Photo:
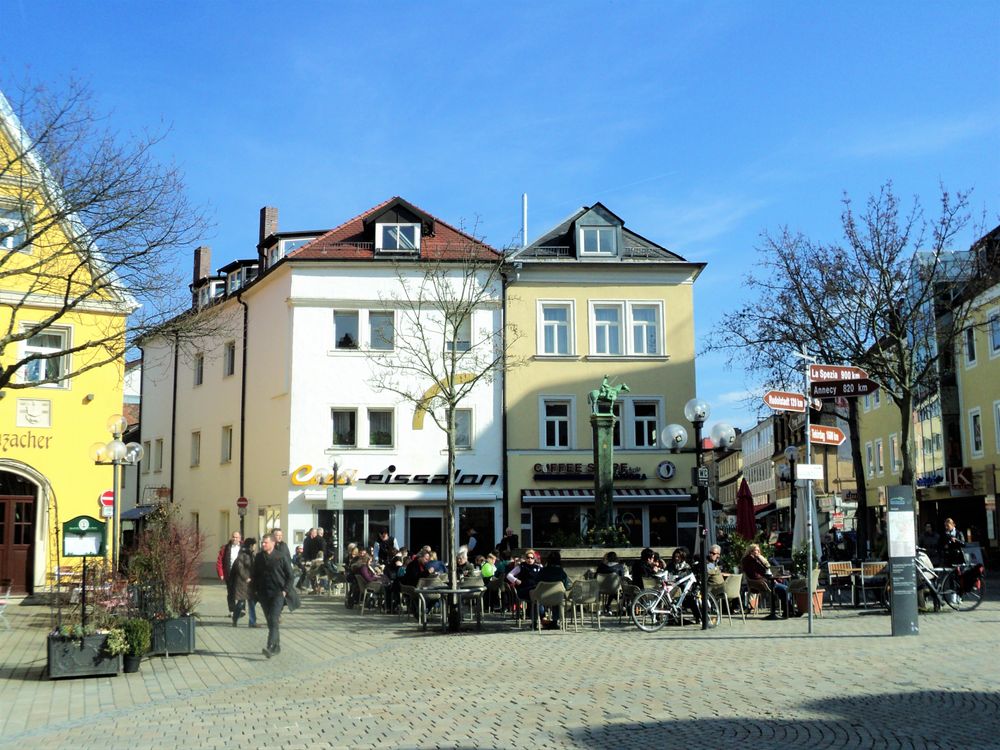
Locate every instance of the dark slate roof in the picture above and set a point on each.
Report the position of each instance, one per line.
(559, 243)
(352, 240)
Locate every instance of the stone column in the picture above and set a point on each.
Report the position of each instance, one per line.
(603, 424)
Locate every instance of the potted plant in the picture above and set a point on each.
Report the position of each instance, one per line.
(735, 550)
(83, 651)
(138, 639)
(164, 574)
(799, 586)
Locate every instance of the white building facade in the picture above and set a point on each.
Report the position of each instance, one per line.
(283, 398)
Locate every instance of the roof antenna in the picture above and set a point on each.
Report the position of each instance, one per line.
(524, 219)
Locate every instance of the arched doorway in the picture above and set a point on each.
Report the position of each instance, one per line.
(18, 518)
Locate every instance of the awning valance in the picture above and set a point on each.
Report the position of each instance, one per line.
(134, 514)
(621, 495)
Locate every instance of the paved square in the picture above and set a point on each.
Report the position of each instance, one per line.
(343, 680)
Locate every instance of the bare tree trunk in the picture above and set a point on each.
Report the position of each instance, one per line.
(449, 544)
(905, 404)
(861, 516)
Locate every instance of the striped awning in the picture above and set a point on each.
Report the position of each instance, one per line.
(621, 495)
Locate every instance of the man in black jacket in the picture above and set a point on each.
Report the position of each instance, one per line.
(272, 579)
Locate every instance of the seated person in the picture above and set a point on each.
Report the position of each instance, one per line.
(462, 565)
(643, 568)
(610, 564)
(716, 578)
(433, 565)
(756, 568)
(524, 575)
(504, 562)
(553, 572)
(679, 562)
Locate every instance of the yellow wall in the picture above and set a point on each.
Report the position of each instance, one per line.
(979, 386)
(54, 453)
(880, 423)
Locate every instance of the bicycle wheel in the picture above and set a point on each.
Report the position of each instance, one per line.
(963, 602)
(711, 604)
(642, 613)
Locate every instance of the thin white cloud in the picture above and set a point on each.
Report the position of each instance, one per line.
(915, 137)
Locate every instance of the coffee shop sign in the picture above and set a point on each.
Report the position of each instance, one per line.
(304, 476)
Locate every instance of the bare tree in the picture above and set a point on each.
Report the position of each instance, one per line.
(873, 300)
(451, 339)
(90, 222)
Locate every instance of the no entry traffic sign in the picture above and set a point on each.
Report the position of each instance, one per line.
(107, 503)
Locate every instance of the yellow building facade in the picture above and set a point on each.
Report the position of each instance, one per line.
(591, 299)
(46, 474)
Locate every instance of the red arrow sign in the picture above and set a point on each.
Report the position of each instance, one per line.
(784, 401)
(107, 499)
(242, 502)
(819, 433)
(836, 372)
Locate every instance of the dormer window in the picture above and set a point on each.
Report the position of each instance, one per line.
(400, 238)
(233, 282)
(598, 241)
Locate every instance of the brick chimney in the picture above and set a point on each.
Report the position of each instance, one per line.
(268, 222)
(202, 263)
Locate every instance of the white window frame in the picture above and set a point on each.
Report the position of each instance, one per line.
(879, 458)
(996, 424)
(976, 415)
(199, 369)
(229, 359)
(622, 328)
(148, 460)
(226, 444)
(570, 401)
(633, 421)
(333, 434)
(195, 448)
(969, 344)
(15, 221)
(157, 455)
(570, 307)
(993, 331)
(867, 402)
(454, 339)
(894, 461)
(371, 332)
(392, 429)
(876, 398)
(65, 361)
(870, 459)
(472, 432)
(380, 227)
(600, 252)
(357, 333)
(626, 327)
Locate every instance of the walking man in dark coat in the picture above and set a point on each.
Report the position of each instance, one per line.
(227, 556)
(271, 580)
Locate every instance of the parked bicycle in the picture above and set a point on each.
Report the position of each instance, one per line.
(961, 587)
(652, 609)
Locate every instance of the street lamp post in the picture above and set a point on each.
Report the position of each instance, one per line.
(116, 454)
(792, 455)
(335, 503)
(674, 436)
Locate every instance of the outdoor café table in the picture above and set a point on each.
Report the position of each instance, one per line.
(458, 594)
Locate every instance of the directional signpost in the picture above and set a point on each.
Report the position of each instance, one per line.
(785, 401)
(843, 388)
(824, 435)
(836, 372)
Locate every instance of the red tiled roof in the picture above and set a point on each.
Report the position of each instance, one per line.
(131, 414)
(447, 243)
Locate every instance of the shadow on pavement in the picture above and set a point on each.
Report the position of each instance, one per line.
(930, 718)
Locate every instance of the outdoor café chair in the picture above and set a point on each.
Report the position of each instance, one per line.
(548, 594)
(610, 585)
(731, 591)
(759, 588)
(585, 594)
(839, 578)
(376, 589)
(872, 579)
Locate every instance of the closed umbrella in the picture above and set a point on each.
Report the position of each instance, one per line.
(745, 525)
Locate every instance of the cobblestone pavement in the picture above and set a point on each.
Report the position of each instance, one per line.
(343, 680)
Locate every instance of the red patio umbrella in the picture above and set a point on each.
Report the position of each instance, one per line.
(745, 519)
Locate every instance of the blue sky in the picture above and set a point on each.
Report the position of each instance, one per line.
(701, 124)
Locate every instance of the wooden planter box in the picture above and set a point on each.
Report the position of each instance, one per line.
(173, 636)
(73, 657)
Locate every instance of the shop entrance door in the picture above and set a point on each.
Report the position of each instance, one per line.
(17, 528)
(425, 529)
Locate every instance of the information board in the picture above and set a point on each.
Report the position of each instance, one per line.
(83, 537)
(902, 571)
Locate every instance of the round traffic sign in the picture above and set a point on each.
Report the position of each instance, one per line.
(242, 502)
(107, 499)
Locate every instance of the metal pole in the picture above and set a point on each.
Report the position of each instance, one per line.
(809, 497)
(114, 548)
(702, 502)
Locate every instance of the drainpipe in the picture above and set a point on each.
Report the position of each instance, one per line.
(138, 470)
(243, 401)
(505, 505)
(173, 416)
